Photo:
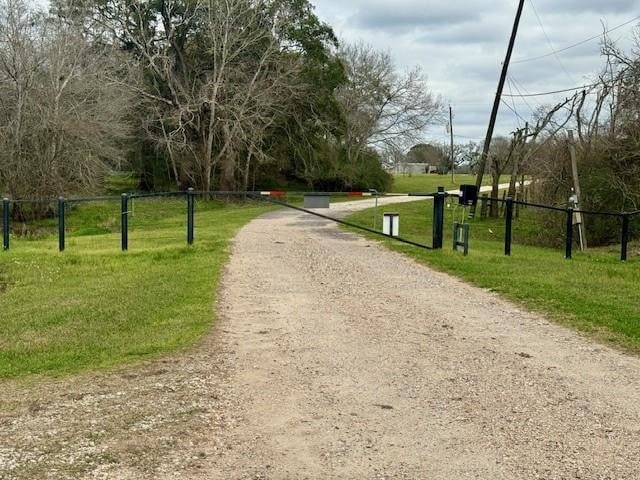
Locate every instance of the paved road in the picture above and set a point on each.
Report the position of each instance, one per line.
(346, 208)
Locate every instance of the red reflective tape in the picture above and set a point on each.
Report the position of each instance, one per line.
(354, 194)
(278, 194)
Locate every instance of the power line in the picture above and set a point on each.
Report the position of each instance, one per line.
(553, 50)
(513, 100)
(521, 88)
(583, 87)
(469, 138)
(465, 137)
(512, 79)
(513, 110)
(582, 42)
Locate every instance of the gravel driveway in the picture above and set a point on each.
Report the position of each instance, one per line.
(336, 358)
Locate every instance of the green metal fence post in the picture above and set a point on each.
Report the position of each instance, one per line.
(61, 219)
(569, 234)
(5, 224)
(508, 216)
(124, 221)
(625, 237)
(190, 216)
(438, 218)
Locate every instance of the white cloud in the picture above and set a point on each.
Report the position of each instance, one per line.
(409, 15)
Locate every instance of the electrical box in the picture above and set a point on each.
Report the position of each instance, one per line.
(468, 195)
(461, 237)
(391, 224)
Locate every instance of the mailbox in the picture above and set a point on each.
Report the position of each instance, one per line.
(391, 224)
(468, 195)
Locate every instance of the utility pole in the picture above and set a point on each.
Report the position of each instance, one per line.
(451, 131)
(519, 142)
(496, 102)
(578, 194)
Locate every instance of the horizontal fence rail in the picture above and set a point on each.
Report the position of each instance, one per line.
(344, 222)
(557, 226)
(127, 208)
(570, 223)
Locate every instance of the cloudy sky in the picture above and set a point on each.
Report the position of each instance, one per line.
(460, 45)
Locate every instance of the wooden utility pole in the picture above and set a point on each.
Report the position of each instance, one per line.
(519, 144)
(578, 194)
(451, 131)
(496, 103)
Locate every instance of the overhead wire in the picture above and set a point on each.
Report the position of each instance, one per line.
(515, 84)
(577, 44)
(469, 138)
(541, 94)
(513, 100)
(514, 111)
(465, 137)
(553, 50)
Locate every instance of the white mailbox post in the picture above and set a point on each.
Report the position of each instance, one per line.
(391, 224)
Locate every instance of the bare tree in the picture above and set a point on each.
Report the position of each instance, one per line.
(219, 78)
(500, 158)
(527, 142)
(62, 121)
(22, 39)
(383, 108)
(394, 159)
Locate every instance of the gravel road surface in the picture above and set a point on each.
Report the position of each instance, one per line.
(336, 358)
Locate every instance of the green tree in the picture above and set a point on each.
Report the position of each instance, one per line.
(224, 82)
(434, 155)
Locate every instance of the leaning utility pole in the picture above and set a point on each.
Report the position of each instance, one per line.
(496, 102)
(451, 131)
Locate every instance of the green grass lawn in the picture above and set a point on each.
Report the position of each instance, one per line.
(594, 292)
(121, 182)
(93, 306)
(427, 183)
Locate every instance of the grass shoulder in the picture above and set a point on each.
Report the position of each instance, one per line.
(93, 306)
(427, 183)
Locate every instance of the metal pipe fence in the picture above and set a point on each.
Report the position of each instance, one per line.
(106, 221)
(570, 229)
(170, 218)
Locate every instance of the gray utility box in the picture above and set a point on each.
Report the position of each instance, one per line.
(461, 237)
(316, 201)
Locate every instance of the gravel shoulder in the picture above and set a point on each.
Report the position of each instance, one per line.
(336, 358)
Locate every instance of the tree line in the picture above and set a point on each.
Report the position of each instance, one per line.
(210, 94)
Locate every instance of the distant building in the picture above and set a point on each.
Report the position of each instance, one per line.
(409, 168)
